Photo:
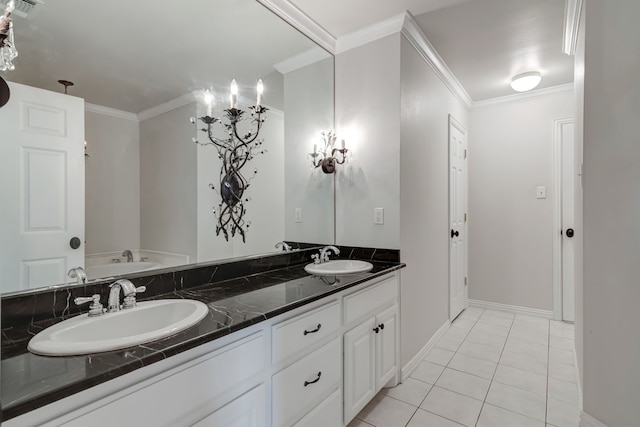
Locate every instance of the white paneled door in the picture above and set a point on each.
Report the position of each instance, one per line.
(42, 191)
(457, 218)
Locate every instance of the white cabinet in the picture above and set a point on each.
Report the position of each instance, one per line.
(370, 348)
(305, 391)
(189, 394)
(248, 410)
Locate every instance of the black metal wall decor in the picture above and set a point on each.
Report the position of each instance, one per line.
(235, 152)
(326, 157)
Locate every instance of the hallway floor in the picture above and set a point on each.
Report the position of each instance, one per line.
(490, 369)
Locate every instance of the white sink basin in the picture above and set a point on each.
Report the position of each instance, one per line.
(149, 321)
(339, 266)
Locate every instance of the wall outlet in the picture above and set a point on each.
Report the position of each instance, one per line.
(378, 216)
(541, 192)
(298, 214)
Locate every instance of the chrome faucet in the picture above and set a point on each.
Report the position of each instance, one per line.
(324, 253)
(78, 274)
(285, 247)
(128, 290)
(128, 254)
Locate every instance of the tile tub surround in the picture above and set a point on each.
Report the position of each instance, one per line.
(234, 303)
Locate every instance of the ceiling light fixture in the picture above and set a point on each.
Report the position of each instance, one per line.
(526, 81)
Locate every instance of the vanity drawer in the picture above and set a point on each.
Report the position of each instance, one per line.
(369, 300)
(295, 335)
(301, 386)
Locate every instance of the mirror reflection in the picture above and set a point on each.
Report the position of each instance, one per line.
(115, 177)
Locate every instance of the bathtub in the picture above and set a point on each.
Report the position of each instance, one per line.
(118, 268)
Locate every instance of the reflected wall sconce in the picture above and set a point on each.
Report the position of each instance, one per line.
(235, 151)
(8, 50)
(327, 157)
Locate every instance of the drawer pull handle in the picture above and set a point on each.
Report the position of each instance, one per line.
(313, 331)
(306, 383)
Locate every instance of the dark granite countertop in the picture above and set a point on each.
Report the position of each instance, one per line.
(30, 381)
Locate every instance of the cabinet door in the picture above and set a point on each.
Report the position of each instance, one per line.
(326, 414)
(359, 368)
(248, 410)
(386, 346)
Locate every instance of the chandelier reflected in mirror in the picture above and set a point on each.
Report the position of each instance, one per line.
(8, 50)
(235, 150)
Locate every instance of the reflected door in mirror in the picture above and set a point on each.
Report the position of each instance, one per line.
(42, 156)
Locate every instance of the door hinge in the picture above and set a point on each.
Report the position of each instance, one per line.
(465, 153)
(465, 281)
(465, 217)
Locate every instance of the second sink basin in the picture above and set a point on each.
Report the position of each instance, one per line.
(149, 321)
(338, 266)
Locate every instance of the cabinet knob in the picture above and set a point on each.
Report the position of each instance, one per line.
(306, 383)
(313, 331)
(381, 326)
(376, 329)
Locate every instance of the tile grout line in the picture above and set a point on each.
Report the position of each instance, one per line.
(484, 401)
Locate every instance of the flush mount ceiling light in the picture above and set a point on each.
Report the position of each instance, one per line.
(526, 81)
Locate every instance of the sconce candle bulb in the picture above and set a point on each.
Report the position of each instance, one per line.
(208, 100)
(260, 90)
(234, 94)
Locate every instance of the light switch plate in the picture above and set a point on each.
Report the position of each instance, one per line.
(541, 192)
(378, 216)
(298, 214)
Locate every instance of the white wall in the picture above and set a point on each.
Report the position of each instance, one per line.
(424, 193)
(112, 177)
(368, 117)
(510, 230)
(167, 183)
(308, 100)
(611, 211)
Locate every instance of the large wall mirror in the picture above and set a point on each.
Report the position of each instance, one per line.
(141, 183)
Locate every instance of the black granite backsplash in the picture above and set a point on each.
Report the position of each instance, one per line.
(57, 303)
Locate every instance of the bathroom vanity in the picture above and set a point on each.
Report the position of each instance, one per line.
(278, 348)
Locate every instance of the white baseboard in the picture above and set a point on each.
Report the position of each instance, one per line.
(587, 420)
(408, 369)
(547, 314)
(578, 379)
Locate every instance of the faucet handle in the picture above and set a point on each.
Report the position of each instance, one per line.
(130, 300)
(315, 258)
(95, 309)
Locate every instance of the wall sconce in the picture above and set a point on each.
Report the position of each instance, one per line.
(326, 158)
(235, 151)
(8, 50)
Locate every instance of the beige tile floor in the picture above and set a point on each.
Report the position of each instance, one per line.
(490, 369)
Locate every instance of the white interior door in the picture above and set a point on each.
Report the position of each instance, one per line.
(42, 191)
(568, 221)
(457, 218)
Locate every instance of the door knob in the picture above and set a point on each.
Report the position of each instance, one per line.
(569, 232)
(454, 234)
(75, 242)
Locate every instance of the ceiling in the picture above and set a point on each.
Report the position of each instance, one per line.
(483, 42)
(135, 55)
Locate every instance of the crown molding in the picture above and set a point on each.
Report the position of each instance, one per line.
(419, 41)
(369, 34)
(572, 13)
(296, 62)
(302, 22)
(524, 95)
(174, 104)
(111, 112)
